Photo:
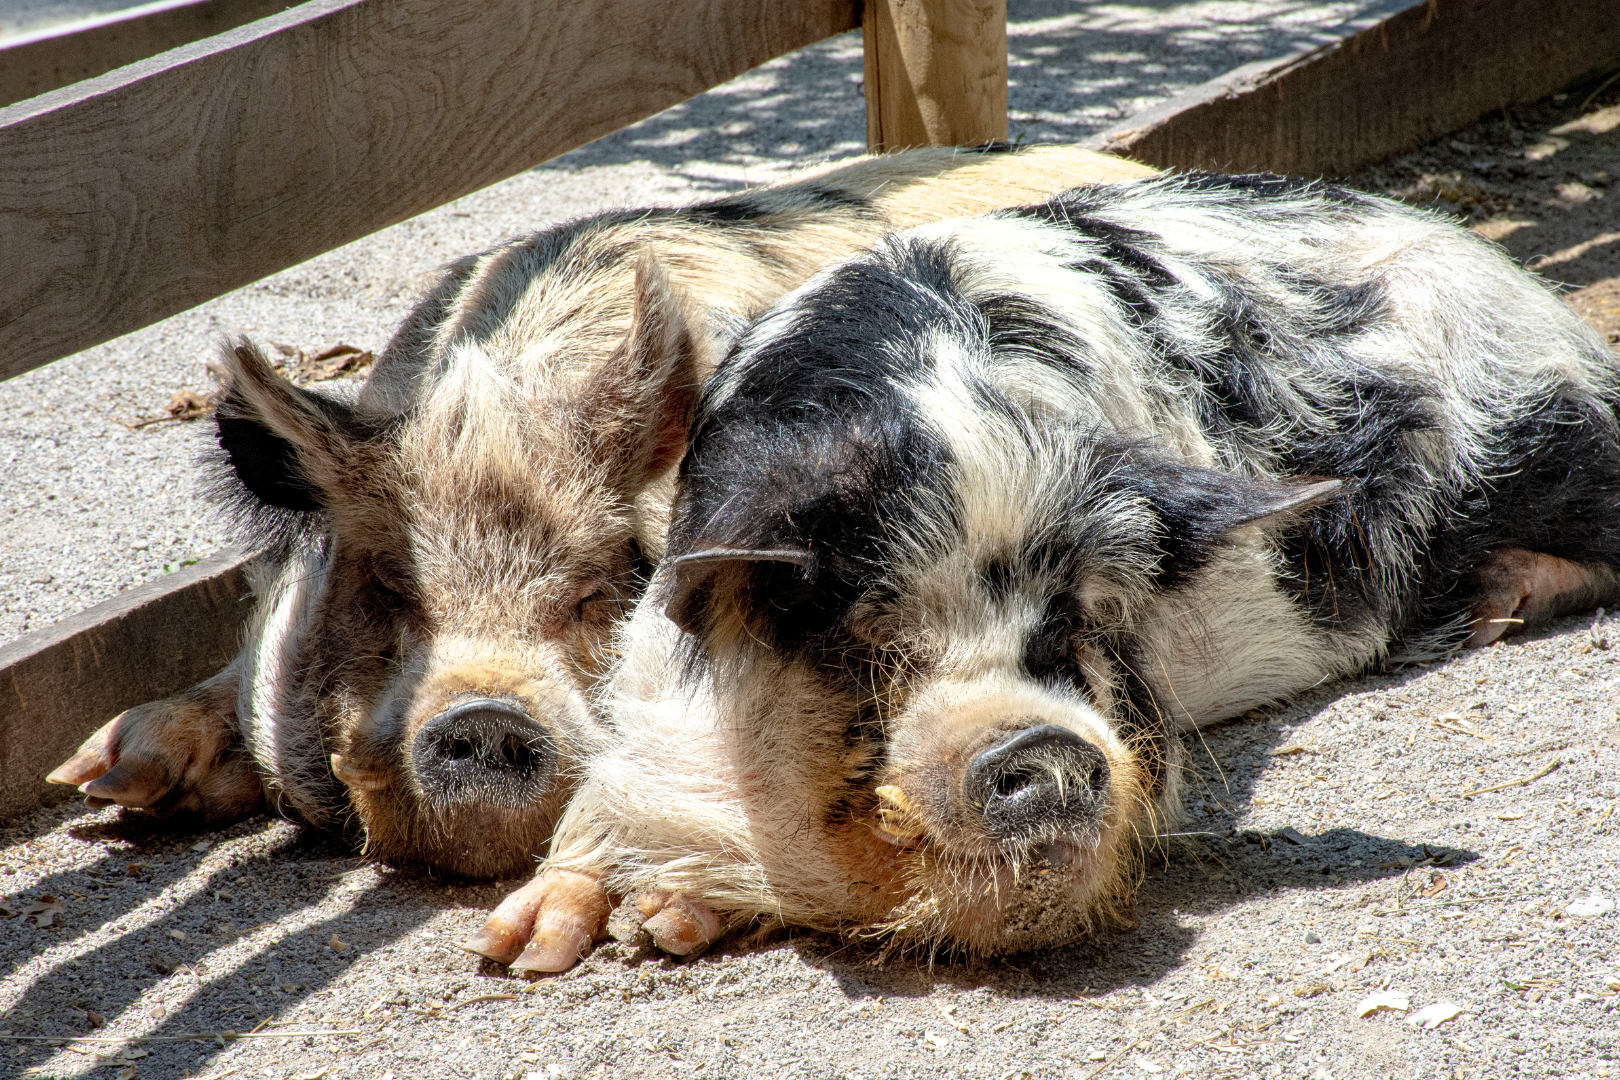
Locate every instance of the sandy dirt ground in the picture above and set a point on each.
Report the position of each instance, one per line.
(1440, 835)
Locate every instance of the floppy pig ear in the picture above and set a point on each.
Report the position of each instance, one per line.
(1198, 507)
(1255, 501)
(687, 592)
(286, 445)
(637, 408)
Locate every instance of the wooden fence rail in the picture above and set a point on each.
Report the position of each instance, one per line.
(1419, 74)
(36, 64)
(155, 187)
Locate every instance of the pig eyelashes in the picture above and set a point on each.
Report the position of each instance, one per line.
(612, 591)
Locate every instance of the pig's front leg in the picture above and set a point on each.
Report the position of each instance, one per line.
(547, 925)
(551, 923)
(673, 922)
(658, 823)
(180, 755)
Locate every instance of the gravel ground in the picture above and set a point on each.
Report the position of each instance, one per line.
(1333, 852)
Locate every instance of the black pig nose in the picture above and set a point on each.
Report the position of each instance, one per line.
(1037, 782)
(486, 752)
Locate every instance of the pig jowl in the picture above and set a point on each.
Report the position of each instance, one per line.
(975, 526)
(449, 551)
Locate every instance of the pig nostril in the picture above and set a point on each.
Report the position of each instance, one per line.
(484, 752)
(517, 753)
(1013, 781)
(1038, 782)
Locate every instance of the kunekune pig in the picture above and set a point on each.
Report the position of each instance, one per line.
(451, 549)
(972, 527)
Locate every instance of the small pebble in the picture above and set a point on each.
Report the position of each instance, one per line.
(1590, 907)
(1311, 938)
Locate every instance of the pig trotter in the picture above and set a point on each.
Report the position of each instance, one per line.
(1521, 590)
(180, 755)
(680, 925)
(547, 925)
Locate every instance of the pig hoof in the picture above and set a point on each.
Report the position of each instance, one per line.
(683, 926)
(180, 755)
(628, 926)
(1520, 590)
(547, 925)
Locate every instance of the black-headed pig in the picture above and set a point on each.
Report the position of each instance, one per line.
(973, 527)
(451, 549)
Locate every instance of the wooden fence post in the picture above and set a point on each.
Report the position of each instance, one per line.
(936, 72)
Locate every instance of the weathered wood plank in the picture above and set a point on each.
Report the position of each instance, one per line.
(935, 72)
(134, 196)
(1431, 69)
(52, 60)
(58, 685)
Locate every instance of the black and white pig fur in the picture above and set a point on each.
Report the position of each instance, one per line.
(453, 547)
(974, 527)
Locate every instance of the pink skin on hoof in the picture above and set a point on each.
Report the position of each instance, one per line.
(547, 925)
(1522, 589)
(177, 755)
(682, 926)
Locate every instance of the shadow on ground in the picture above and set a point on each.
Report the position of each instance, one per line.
(181, 952)
(1075, 69)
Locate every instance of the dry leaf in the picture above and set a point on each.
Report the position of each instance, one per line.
(183, 405)
(1293, 748)
(1396, 1000)
(336, 944)
(127, 1073)
(96, 1019)
(1432, 1016)
(1437, 885)
(189, 404)
(330, 363)
(311, 1076)
(45, 910)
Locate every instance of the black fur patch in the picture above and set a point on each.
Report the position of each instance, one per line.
(255, 475)
(1555, 489)
(861, 336)
(266, 464)
(1269, 186)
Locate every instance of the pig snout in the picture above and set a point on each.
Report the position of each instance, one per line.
(484, 751)
(1037, 782)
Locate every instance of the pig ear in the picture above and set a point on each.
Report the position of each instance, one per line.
(1258, 500)
(284, 444)
(636, 409)
(1197, 508)
(688, 588)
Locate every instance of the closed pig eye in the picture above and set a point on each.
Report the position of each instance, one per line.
(387, 591)
(591, 595)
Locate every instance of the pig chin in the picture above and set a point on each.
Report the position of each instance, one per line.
(483, 764)
(1019, 811)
